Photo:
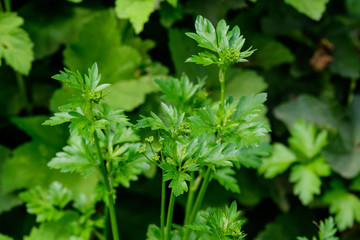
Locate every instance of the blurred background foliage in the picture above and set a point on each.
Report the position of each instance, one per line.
(307, 59)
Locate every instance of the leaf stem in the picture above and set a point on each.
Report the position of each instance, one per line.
(351, 91)
(162, 214)
(22, 87)
(7, 4)
(170, 215)
(190, 199)
(109, 191)
(198, 201)
(222, 87)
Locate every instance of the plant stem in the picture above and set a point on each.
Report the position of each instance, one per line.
(162, 214)
(190, 199)
(222, 86)
(7, 4)
(198, 201)
(114, 226)
(170, 215)
(22, 88)
(106, 214)
(351, 91)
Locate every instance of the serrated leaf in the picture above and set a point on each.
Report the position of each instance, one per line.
(345, 206)
(278, 162)
(76, 157)
(306, 140)
(225, 178)
(137, 11)
(220, 224)
(307, 179)
(314, 9)
(47, 205)
(178, 181)
(15, 44)
(55, 230)
(178, 90)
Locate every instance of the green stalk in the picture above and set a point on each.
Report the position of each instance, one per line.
(114, 226)
(198, 201)
(7, 4)
(22, 88)
(351, 91)
(1, 7)
(106, 214)
(162, 214)
(190, 199)
(170, 215)
(222, 87)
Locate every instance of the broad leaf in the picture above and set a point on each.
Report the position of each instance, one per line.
(115, 61)
(15, 44)
(137, 11)
(314, 9)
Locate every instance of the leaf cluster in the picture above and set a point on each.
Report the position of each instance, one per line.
(303, 157)
(225, 45)
(220, 224)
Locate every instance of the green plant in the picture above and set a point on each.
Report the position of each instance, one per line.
(101, 138)
(327, 230)
(303, 157)
(204, 143)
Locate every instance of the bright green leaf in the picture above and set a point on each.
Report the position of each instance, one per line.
(278, 162)
(137, 11)
(55, 230)
(15, 44)
(47, 205)
(345, 206)
(4, 237)
(314, 9)
(305, 139)
(306, 179)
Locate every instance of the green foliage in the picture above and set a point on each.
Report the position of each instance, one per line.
(15, 44)
(305, 148)
(313, 9)
(345, 206)
(202, 130)
(138, 11)
(4, 237)
(327, 231)
(220, 224)
(48, 205)
(226, 44)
